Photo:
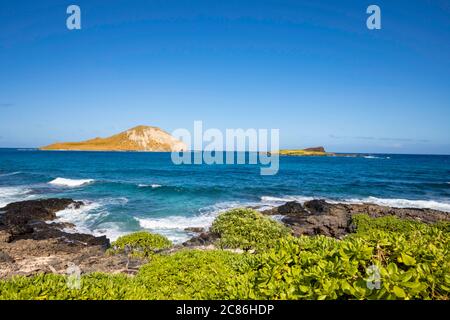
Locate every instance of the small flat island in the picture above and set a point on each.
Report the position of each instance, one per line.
(316, 151)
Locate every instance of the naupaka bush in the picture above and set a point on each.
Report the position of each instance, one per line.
(247, 229)
(412, 261)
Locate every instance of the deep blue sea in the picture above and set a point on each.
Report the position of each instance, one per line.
(129, 191)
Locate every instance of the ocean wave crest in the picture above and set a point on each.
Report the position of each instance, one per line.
(375, 157)
(175, 222)
(142, 185)
(64, 182)
(9, 174)
(13, 194)
(173, 227)
(79, 216)
(86, 216)
(405, 203)
(396, 203)
(281, 200)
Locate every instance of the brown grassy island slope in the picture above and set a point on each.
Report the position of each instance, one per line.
(317, 151)
(140, 138)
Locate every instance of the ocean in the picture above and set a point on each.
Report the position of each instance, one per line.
(129, 191)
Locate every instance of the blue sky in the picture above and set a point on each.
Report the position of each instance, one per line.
(310, 68)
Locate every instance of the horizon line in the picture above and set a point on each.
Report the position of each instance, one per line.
(143, 151)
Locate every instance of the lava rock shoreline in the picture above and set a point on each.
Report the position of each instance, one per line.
(319, 217)
(33, 241)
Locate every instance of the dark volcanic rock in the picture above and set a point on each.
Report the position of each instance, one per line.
(318, 207)
(330, 219)
(29, 220)
(292, 207)
(195, 229)
(5, 258)
(19, 217)
(30, 242)
(204, 239)
(43, 209)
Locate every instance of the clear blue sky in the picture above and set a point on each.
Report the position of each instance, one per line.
(310, 68)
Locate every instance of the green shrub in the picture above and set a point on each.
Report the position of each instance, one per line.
(364, 223)
(247, 229)
(413, 260)
(191, 274)
(140, 244)
(187, 274)
(95, 286)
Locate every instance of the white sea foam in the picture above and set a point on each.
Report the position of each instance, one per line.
(80, 216)
(375, 157)
(13, 194)
(142, 185)
(173, 227)
(111, 230)
(280, 200)
(277, 217)
(396, 203)
(88, 214)
(63, 182)
(405, 203)
(176, 222)
(9, 174)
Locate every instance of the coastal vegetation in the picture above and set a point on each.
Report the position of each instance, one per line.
(318, 152)
(384, 258)
(140, 244)
(247, 229)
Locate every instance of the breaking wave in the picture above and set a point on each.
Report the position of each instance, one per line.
(173, 227)
(63, 182)
(13, 194)
(142, 185)
(375, 157)
(9, 174)
(405, 203)
(85, 218)
(396, 203)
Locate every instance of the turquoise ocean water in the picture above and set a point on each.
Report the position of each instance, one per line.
(129, 191)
